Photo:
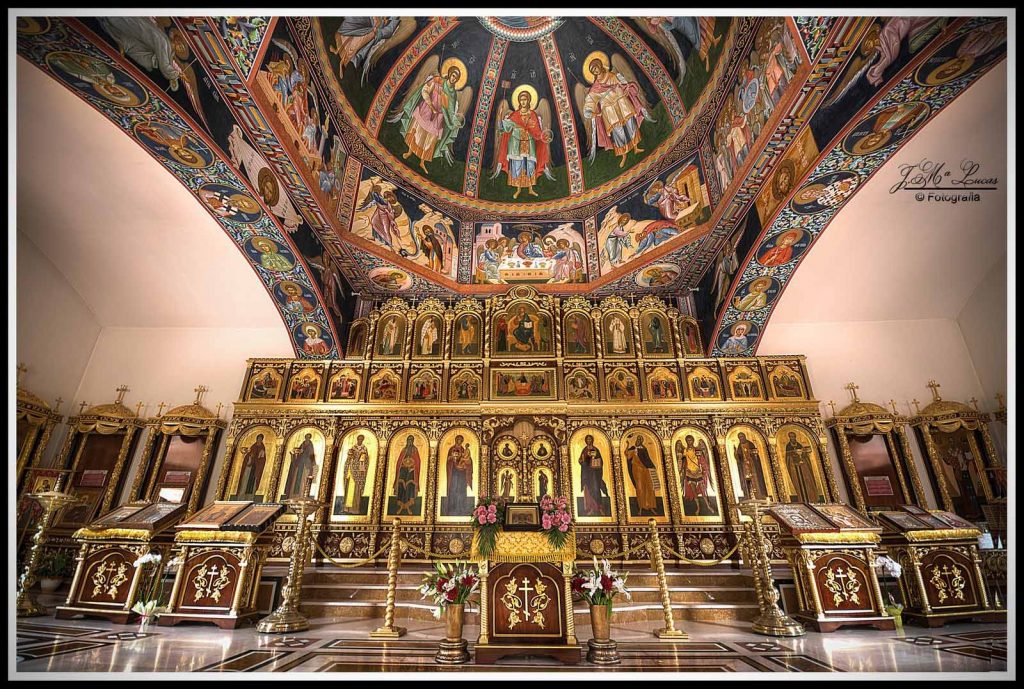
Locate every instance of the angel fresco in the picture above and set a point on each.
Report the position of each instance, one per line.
(521, 147)
(614, 106)
(434, 110)
(362, 41)
(696, 33)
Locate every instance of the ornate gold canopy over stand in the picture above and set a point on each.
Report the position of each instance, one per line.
(287, 617)
(52, 503)
(771, 621)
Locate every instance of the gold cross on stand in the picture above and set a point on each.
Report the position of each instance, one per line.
(120, 393)
(833, 405)
(21, 371)
(81, 408)
(57, 402)
(219, 405)
(935, 390)
(160, 409)
(199, 393)
(853, 390)
(892, 403)
(974, 401)
(916, 405)
(138, 409)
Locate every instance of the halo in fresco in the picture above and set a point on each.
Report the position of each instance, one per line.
(888, 126)
(269, 254)
(174, 144)
(736, 339)
(756, 294)
(230, 203)
(658, 275)
(783, 247)
(314, 342)
(964, 55)
(33, 26)
(390, 278)
(295, 298)
(826, 192)
(89, 74)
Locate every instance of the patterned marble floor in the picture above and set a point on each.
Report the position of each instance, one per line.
(48, 645)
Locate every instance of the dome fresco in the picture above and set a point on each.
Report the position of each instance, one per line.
(452, 156)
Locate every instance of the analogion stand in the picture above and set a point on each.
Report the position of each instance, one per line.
(526, 599)
(221, 553)
(831, 549)
(107, 582)
(942, 579)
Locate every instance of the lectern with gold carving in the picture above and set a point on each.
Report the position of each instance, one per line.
(831, 549)
(107, 581)
(942, 579)
(221, 551)
(526, 599)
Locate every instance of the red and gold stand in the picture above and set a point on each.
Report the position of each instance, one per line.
(836, 583)
(526, 599)
(942, 579)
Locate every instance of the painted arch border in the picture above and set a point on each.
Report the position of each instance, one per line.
(70, 35)
(837, 160)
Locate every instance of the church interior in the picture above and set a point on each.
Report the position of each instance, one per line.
(570, 344)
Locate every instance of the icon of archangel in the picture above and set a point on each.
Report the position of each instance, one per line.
(363, 41)
(613, 107)
(434, 110)
(521, 147)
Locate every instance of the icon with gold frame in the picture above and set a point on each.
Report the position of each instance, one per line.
(425, 386)
(391, 330)
(464, 386)
(590, 456)
(580, 386)
(704, 384)
(656, 335)
(621, 386)
(522, 330)
(429, 337)
(344, 386)
(750, 470)
(662, 385)
(458, 475)
(303, 457)
(618, 334)
(355, 476)
(801, 465)
(643, 477)
(265, 384)
(304, 385)
(408, 455)
(385, 386)
(744, 384)
(466, 337)
(252, 466)
(523, 384)
(696, 472)
(785, 383)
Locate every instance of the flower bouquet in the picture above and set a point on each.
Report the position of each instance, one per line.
(887, 567)
(147, 605)
(449, 584)
(599, 585)
(488, 517)
(555, 520)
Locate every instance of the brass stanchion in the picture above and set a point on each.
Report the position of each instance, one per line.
(389, 630)
(771, 621)
(52, 502)
(669, 631)
(287, 617)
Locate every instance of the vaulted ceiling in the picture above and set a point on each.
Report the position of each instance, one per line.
(457, 155)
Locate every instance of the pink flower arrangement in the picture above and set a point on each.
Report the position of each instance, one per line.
(488, 517)
(486, 514)
(555, 519)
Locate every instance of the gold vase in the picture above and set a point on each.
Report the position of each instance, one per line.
(601, 650)
(453, 619)
(600, 622)
(454, 650)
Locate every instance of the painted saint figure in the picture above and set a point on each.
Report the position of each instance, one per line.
(506, 484)
(407, 478)
(640, 468)
(522, 144)
(254, 459)
(428, 337)
(617, 343)
(596, 498)
(749, 462)
(801, 474)
(459, 467)
(303, 465)
(434, 112)
(613, 110)
(695, 468)
(357, 464)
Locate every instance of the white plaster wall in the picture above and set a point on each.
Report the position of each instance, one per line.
(889, 360)
(166, 364)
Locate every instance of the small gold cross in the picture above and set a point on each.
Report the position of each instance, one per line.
(120, 393)
(57, 402)
(892, 403)
(81, 408)
(199, 393)
(853, 390)
(974, 401)
(219, 405)
(160, 410)
(935, 390)
(917, 405)
(833, 405)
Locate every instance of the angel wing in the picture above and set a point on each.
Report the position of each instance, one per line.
(188, 77)
(544, 113)
(430, 67)
(666, 40)
(287, 47)
(503, 109)
(465, 99)
(579, 94)
(406, 26)
(620, 65)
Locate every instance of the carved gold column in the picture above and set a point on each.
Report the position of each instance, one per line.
(225, 470)
(932, 453)
(211, 440)
(894, 452)
(908, 461)
(147, 455)
(669, 631)
(826, 460)
(25, 602)
(287, 617)
(771, 621)
(846, 457)
(718, 429)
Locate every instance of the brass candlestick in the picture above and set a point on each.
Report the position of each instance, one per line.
(771, 621)
(669, 631)
(287, 617)
(389, 630)
(52, 502)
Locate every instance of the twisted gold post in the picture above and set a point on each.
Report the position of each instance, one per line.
(389, 630)
(669, 631)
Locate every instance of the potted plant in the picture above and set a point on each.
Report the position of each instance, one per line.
(448, 587)
(889, 568)
(598, 586)
(147, 606)
(52, 569)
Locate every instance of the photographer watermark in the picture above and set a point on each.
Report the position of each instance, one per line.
(934, 181)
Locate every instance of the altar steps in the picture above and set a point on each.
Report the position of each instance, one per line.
(705, 596)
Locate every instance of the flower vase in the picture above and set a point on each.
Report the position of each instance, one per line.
(454, 650)
(896, 611)
(143, 624)
(601, 649)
